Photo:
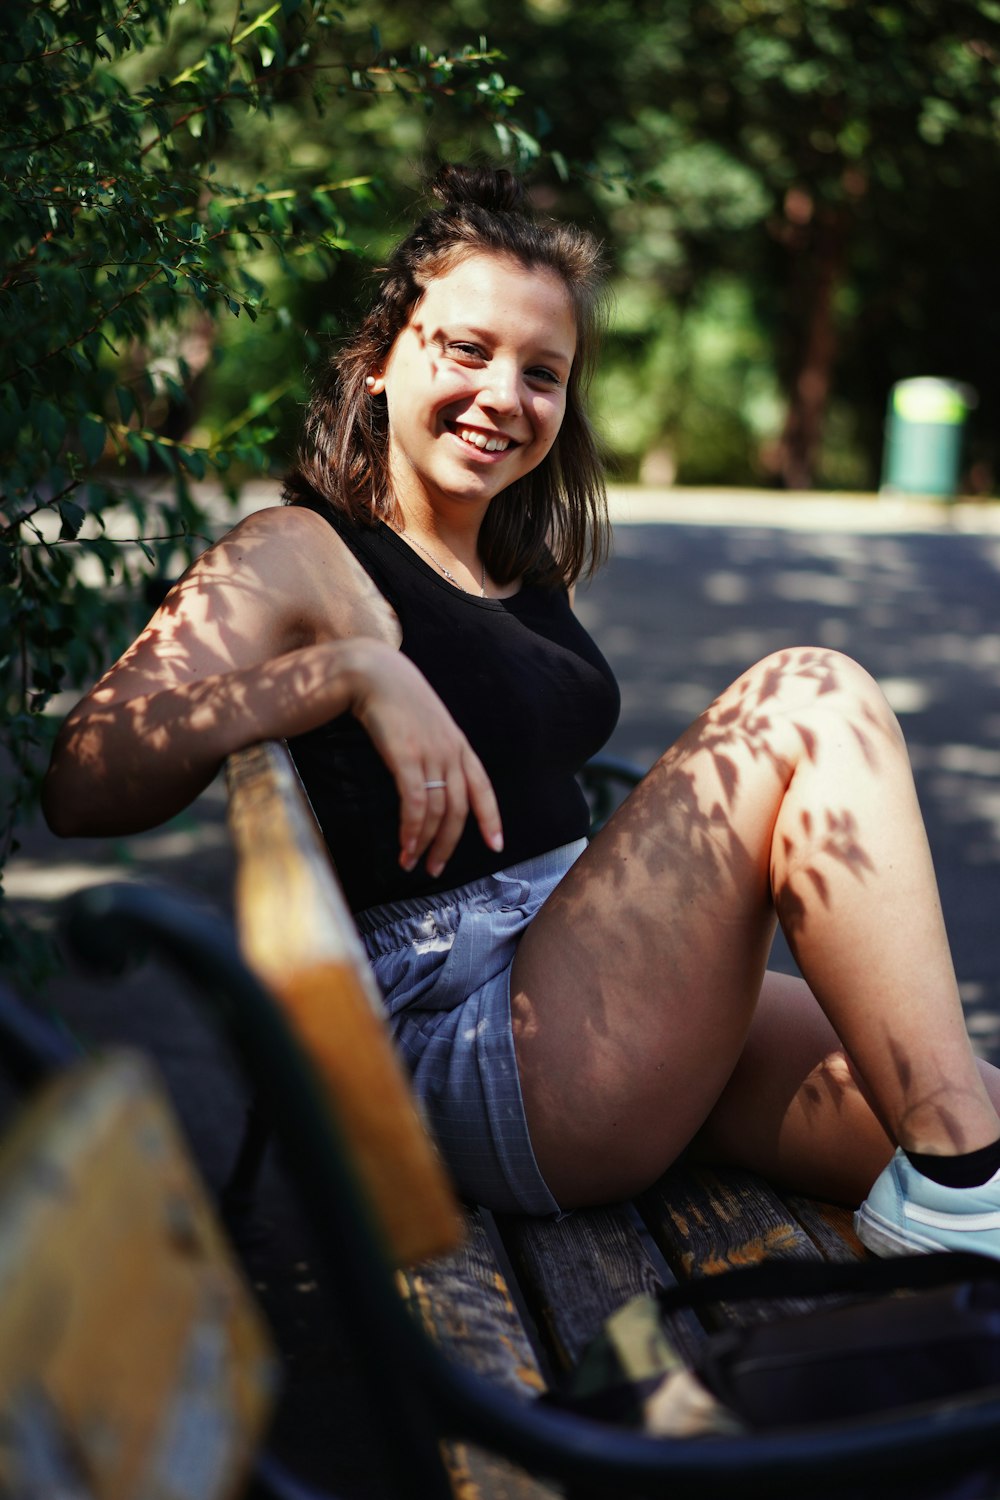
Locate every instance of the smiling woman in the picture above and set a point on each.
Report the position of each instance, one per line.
(574, 1015)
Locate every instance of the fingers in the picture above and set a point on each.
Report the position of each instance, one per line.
(433, 816)
(483, 802)
(449, 805)
(469, 789)
(438, 775)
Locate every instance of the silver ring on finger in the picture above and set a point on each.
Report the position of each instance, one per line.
(434, 785)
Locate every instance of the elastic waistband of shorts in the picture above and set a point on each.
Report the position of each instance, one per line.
(538, 867)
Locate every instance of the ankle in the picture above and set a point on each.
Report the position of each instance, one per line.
(959, 1169)
(951, 1122)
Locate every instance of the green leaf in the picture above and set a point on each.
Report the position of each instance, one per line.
(50, 424)
(193, 461)
(140, 448)
(165, 455)
(73, 517)
(93, 435)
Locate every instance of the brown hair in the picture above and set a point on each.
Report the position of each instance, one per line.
(551, 525)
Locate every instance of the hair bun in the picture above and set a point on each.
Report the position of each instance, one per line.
(493, 188)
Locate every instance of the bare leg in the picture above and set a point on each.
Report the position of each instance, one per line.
(635, 990)
(795, 1108)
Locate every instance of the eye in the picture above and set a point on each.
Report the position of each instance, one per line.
(463, 351)
(544, 374)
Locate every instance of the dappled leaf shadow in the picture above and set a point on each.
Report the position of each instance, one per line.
(697, 830)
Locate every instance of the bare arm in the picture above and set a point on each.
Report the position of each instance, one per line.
(121, 765)
(268, 635)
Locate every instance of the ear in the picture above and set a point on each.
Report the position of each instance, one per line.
(375, 384)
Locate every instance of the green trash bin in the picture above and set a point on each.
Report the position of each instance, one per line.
(924, 430)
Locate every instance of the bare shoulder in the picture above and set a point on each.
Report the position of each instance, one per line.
(326, 592)
(279, 580)
(288, 580)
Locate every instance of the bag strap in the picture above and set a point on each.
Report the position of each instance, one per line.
(812, 1278)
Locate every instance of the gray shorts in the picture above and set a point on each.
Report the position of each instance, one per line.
(443, 963)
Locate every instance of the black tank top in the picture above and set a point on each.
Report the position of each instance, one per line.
(522, 679)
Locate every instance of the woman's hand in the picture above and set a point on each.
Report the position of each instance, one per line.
(438, 775)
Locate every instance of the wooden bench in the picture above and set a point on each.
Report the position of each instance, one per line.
(515, 1299)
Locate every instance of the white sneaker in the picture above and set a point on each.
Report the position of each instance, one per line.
(906, 1212)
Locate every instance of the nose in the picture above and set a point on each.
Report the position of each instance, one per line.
(502, 387)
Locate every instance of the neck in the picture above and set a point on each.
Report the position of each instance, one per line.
(458, 567)
(454, 524)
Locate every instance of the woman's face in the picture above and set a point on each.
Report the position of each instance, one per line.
(476, 383)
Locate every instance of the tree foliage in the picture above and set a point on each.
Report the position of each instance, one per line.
(150, 194)
(822, 168)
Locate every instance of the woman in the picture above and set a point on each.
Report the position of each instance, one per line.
(574, 1016)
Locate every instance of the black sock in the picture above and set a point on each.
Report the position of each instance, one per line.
(970, 1169)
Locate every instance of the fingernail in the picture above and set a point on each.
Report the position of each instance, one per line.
(434, 870)
(496, 842)
(407, 861)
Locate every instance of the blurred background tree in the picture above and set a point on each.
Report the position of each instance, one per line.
(798, 195)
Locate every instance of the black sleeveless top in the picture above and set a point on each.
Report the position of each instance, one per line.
(522, 679)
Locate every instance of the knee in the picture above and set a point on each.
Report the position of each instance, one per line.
(800, 679)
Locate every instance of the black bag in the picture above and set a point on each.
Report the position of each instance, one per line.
(863, 1357)
(919, 1330)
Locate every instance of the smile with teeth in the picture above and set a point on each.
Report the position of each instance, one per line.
(482, 441)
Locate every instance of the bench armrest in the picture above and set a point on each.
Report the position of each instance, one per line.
(298, 936)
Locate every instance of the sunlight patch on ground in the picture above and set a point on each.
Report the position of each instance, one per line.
(978, 651)
(906, 695)
(983, 1025)
(726, 587)
(53, 875)
(817, 588)
(736, 645)
(835, 632)
(964, 781)
(687, 699)
(972, 760)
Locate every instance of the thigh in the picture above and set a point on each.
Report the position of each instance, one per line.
(634, 989)
(631, 1001)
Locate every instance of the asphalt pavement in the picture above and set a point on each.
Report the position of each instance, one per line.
(701, 584)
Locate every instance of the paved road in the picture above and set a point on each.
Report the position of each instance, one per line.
(700, 586)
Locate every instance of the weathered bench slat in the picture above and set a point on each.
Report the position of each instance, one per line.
(131, 1350)
(463, 1301)
(710, 1221)
(478, 1475)
(830, 1226)
(575, 1273)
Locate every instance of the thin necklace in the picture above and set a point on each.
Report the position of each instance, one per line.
(439, 564)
